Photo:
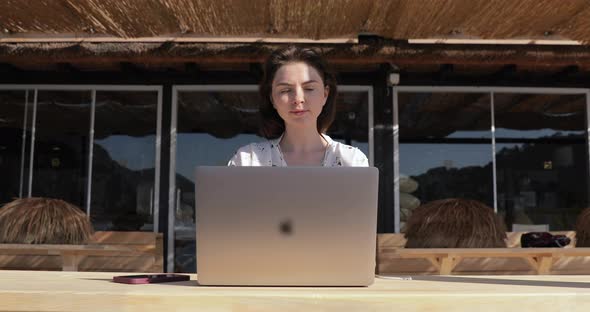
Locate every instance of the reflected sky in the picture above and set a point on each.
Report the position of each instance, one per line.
(135, 153)
(416, 159)
(194, 149)
(203, 149)
(534, 134)
(198, 149)
(471, 134)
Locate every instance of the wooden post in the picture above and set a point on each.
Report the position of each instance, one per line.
(70, 261)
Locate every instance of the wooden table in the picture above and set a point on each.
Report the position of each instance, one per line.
(84, 291)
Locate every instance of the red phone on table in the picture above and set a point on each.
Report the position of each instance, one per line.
(150, 278)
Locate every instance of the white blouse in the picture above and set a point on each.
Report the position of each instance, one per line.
(268, 153)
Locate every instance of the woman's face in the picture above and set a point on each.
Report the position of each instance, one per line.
(298, 94)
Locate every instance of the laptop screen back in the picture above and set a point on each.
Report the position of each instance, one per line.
(289, 226)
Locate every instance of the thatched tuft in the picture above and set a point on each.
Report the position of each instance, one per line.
(455, 223)
(43, 221)
(583, 229)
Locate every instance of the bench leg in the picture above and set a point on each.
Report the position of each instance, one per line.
(435, 262)
(545, 264)
(69, 262)
(447, 264)
(542, 264)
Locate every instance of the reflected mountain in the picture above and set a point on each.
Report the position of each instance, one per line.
(123, 195)
(547, 180)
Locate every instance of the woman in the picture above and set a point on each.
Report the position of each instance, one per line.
(298, 106)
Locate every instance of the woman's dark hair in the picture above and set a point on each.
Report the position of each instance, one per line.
(272, 125)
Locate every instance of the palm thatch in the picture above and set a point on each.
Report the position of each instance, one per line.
(583, 229)
(164, 35)
(455, 223)
(40, 220)
(320, 19)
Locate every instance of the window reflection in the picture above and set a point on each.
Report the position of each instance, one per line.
(542, 159)
(351, 123)
(445, 148)
(541, 154)
(123, 168)
(13, 164)
(211, 126)
(61, 145)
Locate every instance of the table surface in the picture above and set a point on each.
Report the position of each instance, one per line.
(90, 291)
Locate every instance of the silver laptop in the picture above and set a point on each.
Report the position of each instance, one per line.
(286, 226)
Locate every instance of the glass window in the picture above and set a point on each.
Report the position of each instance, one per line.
(61, 145)
(211, 126)
(13, 161)
(123, 167)
(542, 158)
(351, 123)
(445, 148)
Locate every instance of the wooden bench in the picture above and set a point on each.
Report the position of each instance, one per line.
(393, 258)
(106, 251)
(446, 259)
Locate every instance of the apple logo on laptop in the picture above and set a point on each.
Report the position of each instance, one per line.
(286, 227)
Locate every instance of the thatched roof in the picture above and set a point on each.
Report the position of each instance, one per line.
(312, 19)
(104, 35)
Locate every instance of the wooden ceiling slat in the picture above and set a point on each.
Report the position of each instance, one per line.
(397, 53)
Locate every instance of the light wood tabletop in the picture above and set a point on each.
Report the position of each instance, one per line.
(86, 291)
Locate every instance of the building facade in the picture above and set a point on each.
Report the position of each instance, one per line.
(116, 124)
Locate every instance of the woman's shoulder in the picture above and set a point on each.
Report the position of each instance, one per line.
(254, 147)
(251, 154)
(347, 155)
(348, 150)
